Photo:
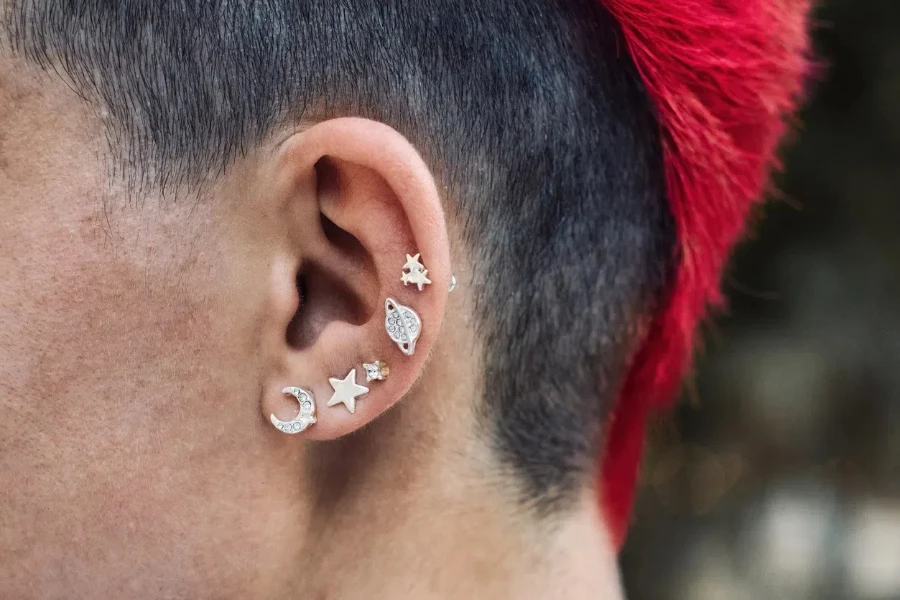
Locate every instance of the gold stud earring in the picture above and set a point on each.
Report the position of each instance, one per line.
(376, 371)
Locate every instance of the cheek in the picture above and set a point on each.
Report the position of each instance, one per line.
(102, 334)
(129, 382)
(129, 368)
(120, 363)
(81, 318)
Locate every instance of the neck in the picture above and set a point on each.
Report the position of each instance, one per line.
(412, 534)
(405, 511)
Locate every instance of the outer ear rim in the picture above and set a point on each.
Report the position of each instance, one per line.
(385, 151)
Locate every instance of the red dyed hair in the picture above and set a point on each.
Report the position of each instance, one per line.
(723, 76)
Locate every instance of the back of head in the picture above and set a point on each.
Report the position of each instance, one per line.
(529, 114)
(214, 198)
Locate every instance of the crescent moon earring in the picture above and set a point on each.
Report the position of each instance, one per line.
(306, 416)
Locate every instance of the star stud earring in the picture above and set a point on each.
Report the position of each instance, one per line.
(346, 391)
(417, 273)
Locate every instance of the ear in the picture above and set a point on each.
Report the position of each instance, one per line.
(357, 199)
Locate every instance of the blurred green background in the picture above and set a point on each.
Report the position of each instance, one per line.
(778, 474)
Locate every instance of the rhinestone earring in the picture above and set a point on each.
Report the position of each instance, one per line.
(376, 371)
(417, 273)
(403, 325)
(306, 416)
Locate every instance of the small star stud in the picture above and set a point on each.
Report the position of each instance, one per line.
(413, 264)
(418, 274)
(346, 390)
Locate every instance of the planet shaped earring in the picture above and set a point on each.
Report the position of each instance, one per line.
(403, 325)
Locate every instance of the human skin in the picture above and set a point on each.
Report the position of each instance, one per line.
(144, 341)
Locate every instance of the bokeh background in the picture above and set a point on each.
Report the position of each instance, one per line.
(778, 474)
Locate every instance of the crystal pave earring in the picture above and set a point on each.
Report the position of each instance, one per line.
(306, 416)
(403, 325)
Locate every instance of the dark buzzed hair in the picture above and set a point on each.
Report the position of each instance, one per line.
(530, 113)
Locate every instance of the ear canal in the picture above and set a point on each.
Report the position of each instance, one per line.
(324, 297)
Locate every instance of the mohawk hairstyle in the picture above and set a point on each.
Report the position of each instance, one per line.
(723, 75)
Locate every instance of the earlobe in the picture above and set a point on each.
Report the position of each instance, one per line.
(373, 273)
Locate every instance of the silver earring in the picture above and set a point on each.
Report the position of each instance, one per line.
(376, 371)
(452, 285)
(417, 275)
(306, 416)
(403, 325)
(346, 390)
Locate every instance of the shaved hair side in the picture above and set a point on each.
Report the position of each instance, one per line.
(530, 114)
